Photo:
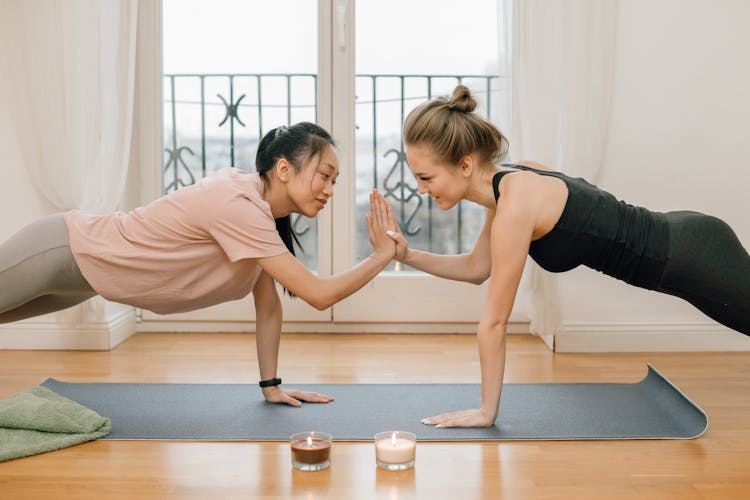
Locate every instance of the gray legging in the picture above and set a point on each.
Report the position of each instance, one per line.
(38, 274)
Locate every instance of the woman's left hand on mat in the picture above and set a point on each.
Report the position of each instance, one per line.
(465, 418)
(294, 397)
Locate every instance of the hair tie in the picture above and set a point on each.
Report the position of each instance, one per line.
(280, 130)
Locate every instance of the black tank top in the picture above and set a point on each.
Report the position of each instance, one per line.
(598, 231)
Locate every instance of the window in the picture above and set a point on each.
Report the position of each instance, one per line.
(408, 52)
(234, 69)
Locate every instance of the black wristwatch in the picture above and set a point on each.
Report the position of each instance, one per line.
(270, 383)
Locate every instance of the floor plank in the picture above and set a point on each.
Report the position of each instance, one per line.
(715, 466)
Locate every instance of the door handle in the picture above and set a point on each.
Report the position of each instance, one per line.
(341, 24)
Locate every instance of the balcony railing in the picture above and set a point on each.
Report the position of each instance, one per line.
(216, 120)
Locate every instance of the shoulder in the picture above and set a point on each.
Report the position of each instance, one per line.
(517, 186)
(234, 177)
(535, 165)
(530, 187)
(231, 184)
(248, 183)
(526, 196)
(518, 200)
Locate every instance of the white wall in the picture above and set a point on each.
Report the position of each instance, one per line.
(679, 138)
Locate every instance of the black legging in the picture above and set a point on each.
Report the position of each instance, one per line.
(708, 266)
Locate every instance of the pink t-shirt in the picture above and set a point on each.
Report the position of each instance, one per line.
(193, 248)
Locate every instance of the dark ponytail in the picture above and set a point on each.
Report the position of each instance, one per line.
(298, 144)
(284, 227)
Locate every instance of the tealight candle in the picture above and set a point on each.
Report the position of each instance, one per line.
(395, 450)
(311, 450)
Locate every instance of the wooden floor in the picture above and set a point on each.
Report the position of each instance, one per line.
(716, 465)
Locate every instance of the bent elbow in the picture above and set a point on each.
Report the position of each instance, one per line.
(319, 295)
(321, 303)
(479, 279)
(321, 306)
(317, 304)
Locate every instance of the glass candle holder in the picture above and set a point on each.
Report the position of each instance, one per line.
(395, 450)
(311, 450)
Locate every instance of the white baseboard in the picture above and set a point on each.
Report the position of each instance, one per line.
(121, 326)
(319, 327)
(41, 334)
(649, 337)
(45, 333)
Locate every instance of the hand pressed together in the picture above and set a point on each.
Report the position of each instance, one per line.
(465, 418)
(379, 203)
(293, 397)
(378, 225)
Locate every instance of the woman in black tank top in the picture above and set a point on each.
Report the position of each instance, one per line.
(561, 222)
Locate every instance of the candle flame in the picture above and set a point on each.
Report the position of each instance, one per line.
(309, 440)
(393, 439)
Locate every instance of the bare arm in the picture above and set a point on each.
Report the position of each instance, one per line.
(267, 335)
(512, 231)
(471, 267)
(511, 236)
(322, 292)
(267, 325)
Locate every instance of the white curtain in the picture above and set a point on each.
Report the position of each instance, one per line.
(71, 71)
(558, 58)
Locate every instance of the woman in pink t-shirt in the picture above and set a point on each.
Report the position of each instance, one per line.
(224, 237)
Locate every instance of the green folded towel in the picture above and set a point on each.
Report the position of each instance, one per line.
(40, 420)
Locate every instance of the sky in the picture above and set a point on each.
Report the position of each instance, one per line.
(280, 36)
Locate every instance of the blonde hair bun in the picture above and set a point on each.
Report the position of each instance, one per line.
(452, 130)
(462, 100)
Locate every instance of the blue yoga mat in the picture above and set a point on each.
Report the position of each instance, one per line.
(650, 409)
